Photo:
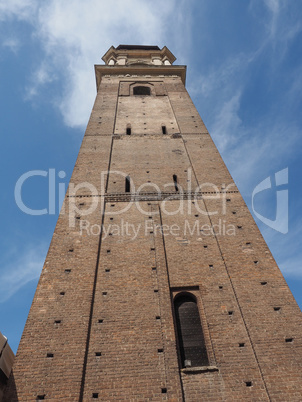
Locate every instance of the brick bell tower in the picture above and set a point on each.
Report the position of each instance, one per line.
(158, 284)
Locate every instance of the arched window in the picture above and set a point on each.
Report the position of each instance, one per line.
(141, 90)
(191, 341)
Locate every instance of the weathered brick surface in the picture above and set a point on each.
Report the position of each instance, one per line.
(112, 332)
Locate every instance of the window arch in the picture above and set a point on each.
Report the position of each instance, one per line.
(141, 90)
(191, 343)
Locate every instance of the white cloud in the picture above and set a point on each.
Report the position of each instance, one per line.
(17, 270)
(20, 9)
(74, 36)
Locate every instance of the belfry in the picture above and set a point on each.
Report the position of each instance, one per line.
(157, 284)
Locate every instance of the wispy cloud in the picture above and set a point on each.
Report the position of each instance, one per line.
(20, 9)
(12, 44)
(41, 76)
(75, 34)
(19, 269)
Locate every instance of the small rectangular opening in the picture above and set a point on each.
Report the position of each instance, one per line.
(95, 395)
(277, 308)
(128, 130)
(241, 345)
(160, 350)
(164, 390)
(127, 184)
(288, 340)
(98, 354)
(175, 182)
(248, 383)
(67, 271)
(40, 397)
(49, 355)
(164, 129)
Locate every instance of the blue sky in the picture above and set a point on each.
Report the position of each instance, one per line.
(244, 75)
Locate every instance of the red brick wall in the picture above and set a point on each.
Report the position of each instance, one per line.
(112, 332)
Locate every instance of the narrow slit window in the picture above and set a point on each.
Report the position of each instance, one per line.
(190, 336)
(142, 90)
(127, 184)
(164, 129)
(128, 129)
(175, 182)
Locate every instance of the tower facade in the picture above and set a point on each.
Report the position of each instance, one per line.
(158, 284)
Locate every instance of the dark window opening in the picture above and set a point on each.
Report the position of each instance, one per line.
(175, 182)
(190, 336)
(127, 184)
(128, 130)
(164, 129)
(141, 90)
(40, 397)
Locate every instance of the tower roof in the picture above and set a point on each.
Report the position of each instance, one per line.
(139, 51)
(137, 47)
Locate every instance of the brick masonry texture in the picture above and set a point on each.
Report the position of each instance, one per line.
(103, 309)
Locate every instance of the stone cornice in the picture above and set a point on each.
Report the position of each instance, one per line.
(139, 70)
